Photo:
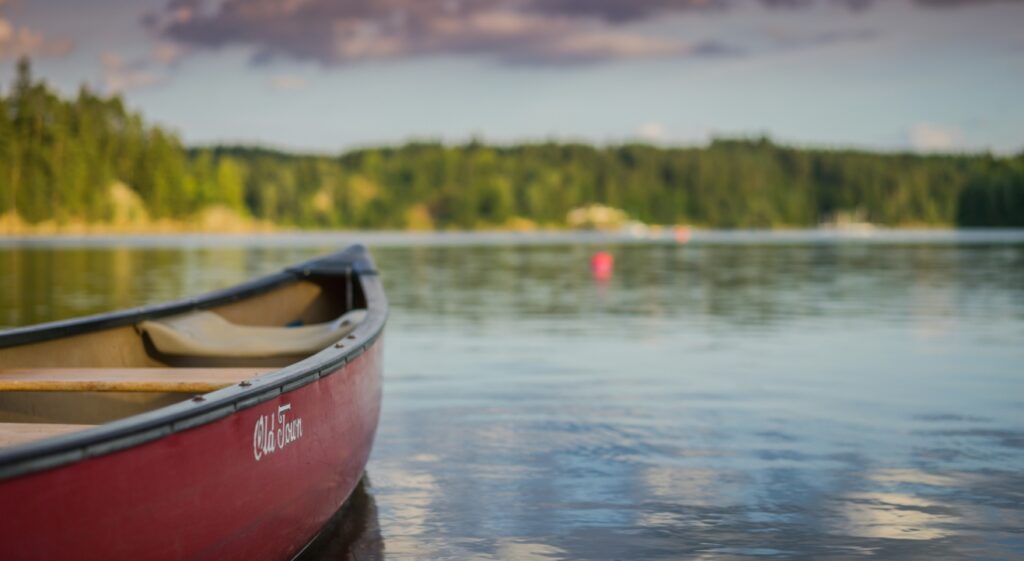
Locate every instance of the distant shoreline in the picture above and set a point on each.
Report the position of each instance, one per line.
(173, 228)
(163, 228)
(385, 238)
(246, 226)
(120, 175)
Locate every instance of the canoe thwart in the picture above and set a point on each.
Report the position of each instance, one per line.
(13, 434)
(173, 380)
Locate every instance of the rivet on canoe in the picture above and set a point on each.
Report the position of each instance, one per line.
(351, 336)
(245, 383)
(339, 345)
(198, 399)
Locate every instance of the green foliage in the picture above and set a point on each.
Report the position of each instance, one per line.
(59, 158)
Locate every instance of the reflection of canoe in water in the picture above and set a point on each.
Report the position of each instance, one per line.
(352, 533)
(229, 426)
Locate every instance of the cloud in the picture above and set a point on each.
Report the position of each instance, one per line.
(168, 53)
(621, 11)
(120, 75)
(288, 82)
(17, 41)
(334, 32)
(512, 31)
(651, 132)
(800, 39)
(957, 3)
(930, 137)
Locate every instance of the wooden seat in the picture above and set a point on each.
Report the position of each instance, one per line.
(13, 434)
(167, 380)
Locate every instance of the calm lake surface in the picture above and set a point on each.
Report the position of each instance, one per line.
(798, 395)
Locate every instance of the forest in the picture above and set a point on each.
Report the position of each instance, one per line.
(91, 160)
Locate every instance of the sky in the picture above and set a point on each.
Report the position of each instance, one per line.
(330, 75)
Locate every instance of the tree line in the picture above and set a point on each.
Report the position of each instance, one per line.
(60, 157)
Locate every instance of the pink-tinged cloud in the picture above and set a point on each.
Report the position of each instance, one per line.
(168, 53)
(931, 137)
(17, 41)
(651, 132)
(288, 82)
(120, 75)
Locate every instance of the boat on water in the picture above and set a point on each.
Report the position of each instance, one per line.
(228, 426)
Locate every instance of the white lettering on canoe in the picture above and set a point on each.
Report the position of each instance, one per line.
(275, 431)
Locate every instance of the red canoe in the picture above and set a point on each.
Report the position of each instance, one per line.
(229, 426)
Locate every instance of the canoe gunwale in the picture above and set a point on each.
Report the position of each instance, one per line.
(129, 432)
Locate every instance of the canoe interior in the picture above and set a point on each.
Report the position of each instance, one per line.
(301, 301)
(54, 386)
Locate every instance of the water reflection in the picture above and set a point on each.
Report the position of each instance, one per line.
(353, 533)
(788, 400)
(801, 401)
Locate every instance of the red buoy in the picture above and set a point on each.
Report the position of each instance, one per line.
(601, 265)
(681, 234)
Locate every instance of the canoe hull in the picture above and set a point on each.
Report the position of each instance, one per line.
(256, 484)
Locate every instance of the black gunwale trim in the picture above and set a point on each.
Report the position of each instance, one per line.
(153, 425)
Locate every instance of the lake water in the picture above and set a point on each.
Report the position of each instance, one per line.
(747, 395)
